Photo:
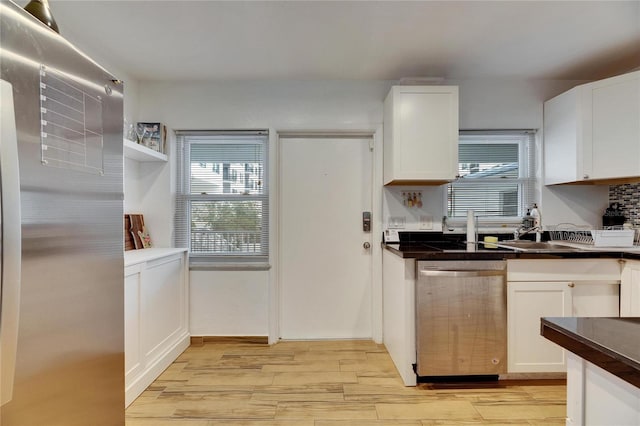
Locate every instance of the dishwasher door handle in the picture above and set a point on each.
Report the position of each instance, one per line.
(467, 273)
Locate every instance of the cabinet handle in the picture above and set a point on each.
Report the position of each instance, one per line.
(572, 285)
(585, 176)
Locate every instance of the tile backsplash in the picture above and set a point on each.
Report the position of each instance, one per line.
(628, 195)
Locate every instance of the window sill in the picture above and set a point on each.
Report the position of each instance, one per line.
(238, 266)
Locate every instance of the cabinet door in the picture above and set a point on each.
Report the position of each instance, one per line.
(595, 299)
(615, 127)
(562, 134)
(421, 134)
(527, 302)
(630, 290)
(591, 132)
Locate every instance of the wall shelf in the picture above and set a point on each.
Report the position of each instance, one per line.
(139, 152)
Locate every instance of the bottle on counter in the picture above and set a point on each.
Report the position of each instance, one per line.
(537, 221)
(537, 217)
(527, 222)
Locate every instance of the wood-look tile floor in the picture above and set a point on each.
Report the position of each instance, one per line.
(325, 383)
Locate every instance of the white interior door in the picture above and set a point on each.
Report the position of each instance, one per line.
(325, 268)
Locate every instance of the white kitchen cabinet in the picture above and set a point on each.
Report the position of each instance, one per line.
(420, 135)
(527, 302)
(539, 288)
(592, 132)
(630, 289)
(156, 314)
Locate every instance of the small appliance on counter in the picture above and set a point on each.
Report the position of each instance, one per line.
(613, 216)
(390, 236)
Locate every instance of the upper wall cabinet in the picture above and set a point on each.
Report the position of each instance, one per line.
(592, 133)
(421, 135)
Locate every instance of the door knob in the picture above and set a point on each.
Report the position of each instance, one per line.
(366, 245)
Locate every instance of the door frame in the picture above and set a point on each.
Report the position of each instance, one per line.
(376, 223)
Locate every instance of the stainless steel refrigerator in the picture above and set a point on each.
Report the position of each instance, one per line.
(61, 164)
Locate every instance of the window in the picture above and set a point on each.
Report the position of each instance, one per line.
(496, 170)
(222, 204)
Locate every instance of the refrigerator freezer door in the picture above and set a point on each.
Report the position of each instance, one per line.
(11, 248)
(69, 367)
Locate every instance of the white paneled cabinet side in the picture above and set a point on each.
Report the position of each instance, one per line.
(156, 301)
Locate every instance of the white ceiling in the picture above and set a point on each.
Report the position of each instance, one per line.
(362, 40)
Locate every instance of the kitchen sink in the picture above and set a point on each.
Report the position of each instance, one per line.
(524, 245)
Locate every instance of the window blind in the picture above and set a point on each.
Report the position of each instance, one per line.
(497, 174)
(222, 203)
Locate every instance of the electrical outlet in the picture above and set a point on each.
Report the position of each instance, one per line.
(396, 222)
(426, 222)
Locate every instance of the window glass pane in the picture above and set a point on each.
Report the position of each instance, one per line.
(488, 199)
(227, 168)
(488, 160)
(227, 227)
(494, 170)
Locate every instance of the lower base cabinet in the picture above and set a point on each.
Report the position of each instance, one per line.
(554, 288)
(527, 302)
(156, 315)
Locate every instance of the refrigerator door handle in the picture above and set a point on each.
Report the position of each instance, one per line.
(11, 242)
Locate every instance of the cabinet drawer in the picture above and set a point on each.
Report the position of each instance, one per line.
(563, 270)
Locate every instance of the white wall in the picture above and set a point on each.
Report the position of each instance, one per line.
(229, 303)
(235, 303)
(132, 193)
(134, 189)
(232, 302)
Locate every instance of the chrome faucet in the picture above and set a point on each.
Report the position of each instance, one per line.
(523, 230)
(532, 222)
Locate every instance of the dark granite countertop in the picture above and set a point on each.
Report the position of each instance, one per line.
(612, 344)
(421, 251)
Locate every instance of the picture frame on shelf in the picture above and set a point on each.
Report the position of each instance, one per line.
(152, 135)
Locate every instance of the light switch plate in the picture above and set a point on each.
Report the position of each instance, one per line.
(426, 222)
(396, 222)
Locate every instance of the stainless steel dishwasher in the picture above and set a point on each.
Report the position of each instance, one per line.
(461, 318)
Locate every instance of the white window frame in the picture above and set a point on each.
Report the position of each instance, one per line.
(184, 200)
(526, 173)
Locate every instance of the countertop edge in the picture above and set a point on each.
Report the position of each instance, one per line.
(609, 360)
(133, 257)
(489, 254)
